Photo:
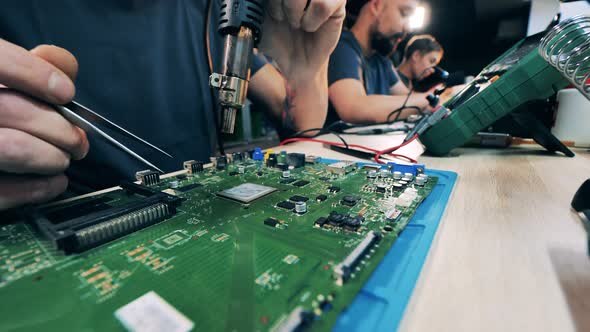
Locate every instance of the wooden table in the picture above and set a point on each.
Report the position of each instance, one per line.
(510, 254)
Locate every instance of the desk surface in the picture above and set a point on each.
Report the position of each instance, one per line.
(510, 254)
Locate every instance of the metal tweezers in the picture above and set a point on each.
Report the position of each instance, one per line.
(86, 119)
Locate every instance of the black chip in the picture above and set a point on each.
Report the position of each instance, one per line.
(349, 200)
(336, 218)
(298, 198)
(352, 223)
(334, 189)
(233, 173)
(287, 181)
(301, 183)
(286, 205)
(189, 187)
(181, 176)
(323, 178)
(321, 198)
(321, 221)
(272, 222)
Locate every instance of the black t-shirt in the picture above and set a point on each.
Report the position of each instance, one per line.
(143, 65)
(348, 62)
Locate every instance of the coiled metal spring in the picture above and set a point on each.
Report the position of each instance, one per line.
(567, 48)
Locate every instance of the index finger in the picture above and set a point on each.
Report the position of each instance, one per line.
(25, 72)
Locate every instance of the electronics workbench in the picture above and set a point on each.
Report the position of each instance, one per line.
(515, 252)
(287, 241)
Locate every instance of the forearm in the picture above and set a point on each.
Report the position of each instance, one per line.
(297, 103)
(306, 102)
(379, 108)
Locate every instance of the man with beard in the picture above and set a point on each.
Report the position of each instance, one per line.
(363, 87)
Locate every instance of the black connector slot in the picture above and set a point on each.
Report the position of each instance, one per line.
(344, 270)
(77, 208)
(94, 229)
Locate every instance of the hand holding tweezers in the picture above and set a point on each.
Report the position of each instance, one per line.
(88, 120)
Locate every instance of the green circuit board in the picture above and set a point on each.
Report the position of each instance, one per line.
(230, 258)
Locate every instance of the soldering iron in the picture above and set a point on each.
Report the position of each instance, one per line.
(240, 23)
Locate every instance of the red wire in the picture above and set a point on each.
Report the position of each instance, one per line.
(378, 153)
(395, 148)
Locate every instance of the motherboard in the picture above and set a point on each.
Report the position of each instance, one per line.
(250, 242)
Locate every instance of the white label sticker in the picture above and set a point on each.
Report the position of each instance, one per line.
(150, 313)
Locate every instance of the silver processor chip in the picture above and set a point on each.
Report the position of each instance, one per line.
(246, 192)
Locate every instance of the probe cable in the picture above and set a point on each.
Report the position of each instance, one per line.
(378, 153)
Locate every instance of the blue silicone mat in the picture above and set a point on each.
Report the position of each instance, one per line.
(381, 303)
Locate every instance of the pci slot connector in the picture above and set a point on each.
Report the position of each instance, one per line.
(343, 271)
(88, 231)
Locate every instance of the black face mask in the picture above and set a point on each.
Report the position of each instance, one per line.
(384, 44)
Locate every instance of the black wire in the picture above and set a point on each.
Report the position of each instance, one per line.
(399, 111)
(328, 129)
(320, 131)
(215, 108)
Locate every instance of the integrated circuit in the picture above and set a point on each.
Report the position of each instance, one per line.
(298, 198)
(301, 183)
(246, 192)
(286, 205)
(189, 187)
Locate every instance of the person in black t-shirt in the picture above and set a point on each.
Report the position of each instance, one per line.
(362, 81)
(142, 64)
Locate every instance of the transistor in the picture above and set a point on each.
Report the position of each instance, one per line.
(320, 221)
(272, 222)
(334, 189)
(321, 198)
(335, 218)
(272, 160)
(349, 200)
(352, 223)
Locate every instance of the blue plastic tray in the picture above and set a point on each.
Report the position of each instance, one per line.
(381, 303)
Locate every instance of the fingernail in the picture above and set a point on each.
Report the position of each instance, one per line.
(60, 87)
